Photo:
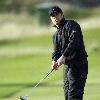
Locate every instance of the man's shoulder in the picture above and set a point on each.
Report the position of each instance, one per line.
(71, 23)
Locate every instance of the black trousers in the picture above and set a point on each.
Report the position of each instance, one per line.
(75, 75)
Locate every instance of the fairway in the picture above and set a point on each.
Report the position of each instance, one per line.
(24, 62)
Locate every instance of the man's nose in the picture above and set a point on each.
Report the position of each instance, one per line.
(55, 19)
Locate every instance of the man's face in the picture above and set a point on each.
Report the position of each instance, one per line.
(56, 18)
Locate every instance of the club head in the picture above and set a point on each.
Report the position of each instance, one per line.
(23, 97)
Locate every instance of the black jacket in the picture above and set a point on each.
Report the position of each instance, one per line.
(68, 40)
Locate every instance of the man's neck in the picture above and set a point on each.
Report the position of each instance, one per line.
(57, 26)
(60, 23)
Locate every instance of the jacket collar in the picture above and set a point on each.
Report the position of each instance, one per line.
(61, 24)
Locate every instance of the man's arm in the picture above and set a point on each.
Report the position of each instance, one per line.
(74, 36)
(56, 53)
(56, 50)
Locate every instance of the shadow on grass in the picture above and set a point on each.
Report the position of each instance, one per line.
(30, 85)
(14, 88)
(6, 42)
(21, 86)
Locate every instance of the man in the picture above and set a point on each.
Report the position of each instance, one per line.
(69, 50)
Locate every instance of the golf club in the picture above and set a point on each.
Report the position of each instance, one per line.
(25, 97)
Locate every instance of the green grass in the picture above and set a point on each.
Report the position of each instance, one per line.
(92, 35)
(42, 40)
(20, 73)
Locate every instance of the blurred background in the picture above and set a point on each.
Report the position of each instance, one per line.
(26, 47)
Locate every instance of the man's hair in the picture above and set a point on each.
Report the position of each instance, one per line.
(54, 10)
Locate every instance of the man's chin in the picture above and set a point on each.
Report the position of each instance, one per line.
(56, 23)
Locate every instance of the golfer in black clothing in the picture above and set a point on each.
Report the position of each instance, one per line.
(69, 50)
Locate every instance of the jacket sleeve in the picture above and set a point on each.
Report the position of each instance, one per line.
(56, 50)
(73, 35)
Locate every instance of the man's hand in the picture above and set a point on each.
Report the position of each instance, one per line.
(54, 65)
(61, 60)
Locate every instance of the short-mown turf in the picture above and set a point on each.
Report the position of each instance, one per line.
(18, 74)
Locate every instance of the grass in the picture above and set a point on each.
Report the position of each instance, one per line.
(44, 40)
(18, 74)
(24, 61)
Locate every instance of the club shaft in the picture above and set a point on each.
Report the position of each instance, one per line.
(39, 82)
